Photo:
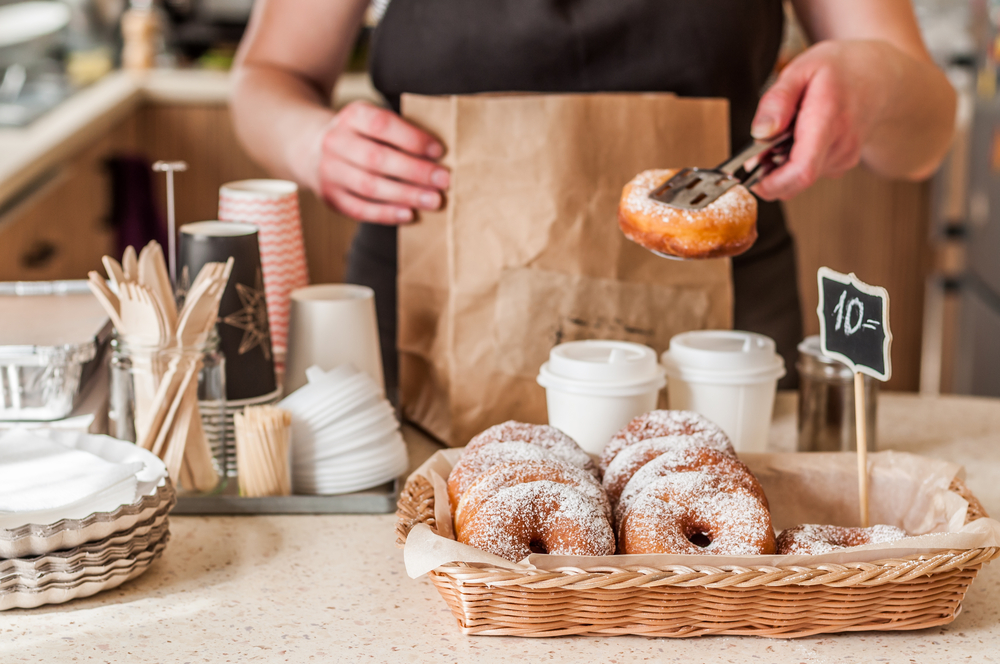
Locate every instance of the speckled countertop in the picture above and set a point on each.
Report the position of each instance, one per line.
(333, 588)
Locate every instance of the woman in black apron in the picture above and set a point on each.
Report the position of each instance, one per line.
(710, 48)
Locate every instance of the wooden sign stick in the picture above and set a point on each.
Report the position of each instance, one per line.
(854, 328)
(862, 436)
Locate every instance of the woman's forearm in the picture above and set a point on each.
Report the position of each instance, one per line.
(913, 130)
(280, 119)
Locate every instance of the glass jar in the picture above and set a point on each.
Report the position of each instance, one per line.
(826, 403)
(136, 376)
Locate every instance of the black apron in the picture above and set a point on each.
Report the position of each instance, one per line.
(708, 48)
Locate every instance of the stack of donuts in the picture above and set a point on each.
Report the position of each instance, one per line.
(676, 486)
(528, 488)
(671, 484)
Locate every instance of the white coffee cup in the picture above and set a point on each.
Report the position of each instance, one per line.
(730, 377)
(331, 325)
(594, 388)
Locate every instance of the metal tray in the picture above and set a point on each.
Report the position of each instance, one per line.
(380, 500)
(52, 337)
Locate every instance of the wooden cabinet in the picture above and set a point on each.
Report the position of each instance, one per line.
(59, 227)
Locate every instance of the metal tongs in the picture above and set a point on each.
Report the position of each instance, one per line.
(697, 188)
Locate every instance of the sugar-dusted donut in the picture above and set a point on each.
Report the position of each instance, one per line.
(519, 472)
(539, 517)
(727, 227)
(813, 539)
(542, 435)
(697, 512)
(683, 459)
(475, 463)
(658, 423)
(638, 465)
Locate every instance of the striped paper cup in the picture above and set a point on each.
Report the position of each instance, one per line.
(273, 207)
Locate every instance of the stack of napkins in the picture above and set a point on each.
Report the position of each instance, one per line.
(345, 436)
(43, 482)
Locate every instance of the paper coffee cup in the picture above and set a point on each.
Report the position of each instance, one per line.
(331, 325)
(273, 207)
(244, 333)
(730, 377)
(594, 388)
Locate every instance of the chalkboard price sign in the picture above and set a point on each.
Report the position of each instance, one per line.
(854, 323)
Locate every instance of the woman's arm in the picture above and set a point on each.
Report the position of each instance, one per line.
(365, 161)
(867, 91)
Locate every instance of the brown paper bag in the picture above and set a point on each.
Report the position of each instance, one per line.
(527, 252)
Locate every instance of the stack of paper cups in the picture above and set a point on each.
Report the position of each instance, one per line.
(730, 377)
(273, 207)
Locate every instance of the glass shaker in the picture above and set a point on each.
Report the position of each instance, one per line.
(826, 402)
(136, 373)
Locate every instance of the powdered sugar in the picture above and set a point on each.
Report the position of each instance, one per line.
(673, 508)
(815, 539)
(688, 457)
(518, 472)
(733, 205)
(682, 449)
(542, 435)
(475, 463)
(556, 515)
(659, 423)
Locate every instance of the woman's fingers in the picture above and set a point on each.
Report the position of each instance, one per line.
(827, 129)
(377, 167)
(343, 142)
(365, 210)
(387, 127)
(781, 101)
(375, 187)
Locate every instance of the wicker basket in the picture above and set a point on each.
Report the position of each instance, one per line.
(895, 594)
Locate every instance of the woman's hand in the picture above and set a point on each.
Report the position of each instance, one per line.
(834, 103)
(375, 166)
(866, 92)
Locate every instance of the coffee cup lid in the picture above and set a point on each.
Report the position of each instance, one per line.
(602, 365)
(729, 351)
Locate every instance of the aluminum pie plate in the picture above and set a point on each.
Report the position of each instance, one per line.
(65, 565)
(93, 580)
(36, 540)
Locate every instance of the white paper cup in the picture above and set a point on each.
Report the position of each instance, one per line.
(594, 388)
(331, 325)
(730, 377)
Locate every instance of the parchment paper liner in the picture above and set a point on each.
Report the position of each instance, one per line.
(906, 490)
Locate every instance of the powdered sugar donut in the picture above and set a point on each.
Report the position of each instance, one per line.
(542, 435)
(659, 423)
(697, 512)
(812, 539)
(684, 459)
(649, 459)
(726, 227)
(475, 463)
(539, 517)
(519, 472)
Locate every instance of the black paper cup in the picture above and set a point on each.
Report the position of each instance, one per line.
(244, 334)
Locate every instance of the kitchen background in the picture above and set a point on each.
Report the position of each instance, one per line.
(77, 136)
